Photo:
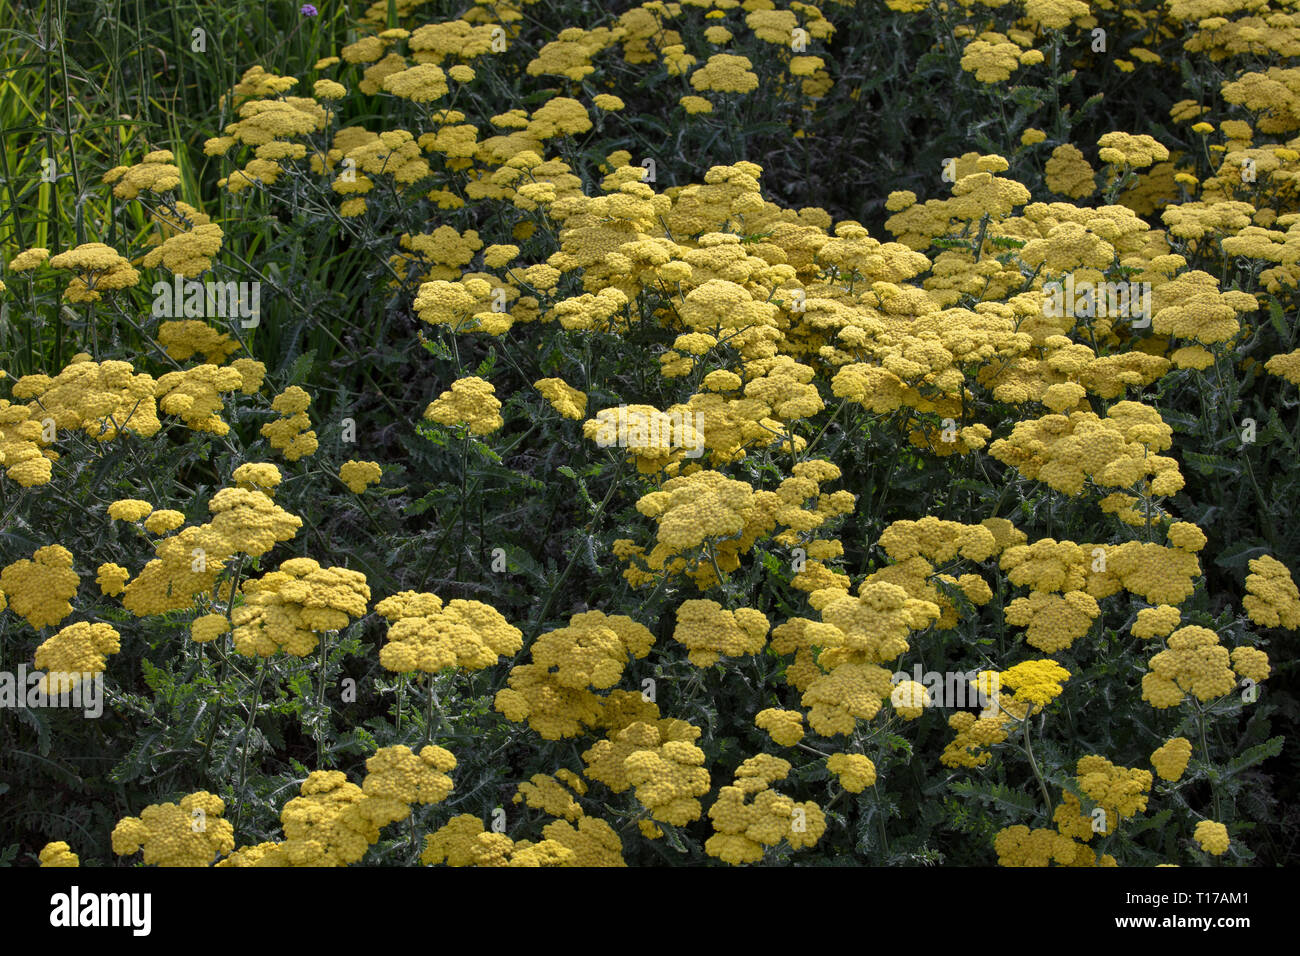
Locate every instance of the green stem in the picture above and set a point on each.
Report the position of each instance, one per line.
(248, 730)
(428, 710)
(1205, 755)
(320, 701)
(1033, 765)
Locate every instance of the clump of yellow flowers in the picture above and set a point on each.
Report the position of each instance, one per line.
(291, 433)
(1212, 837)
(359, 475)
(749, 816)
(287, 608)
(471, 402)
(75, 652)
(40, 589)
(424, 634)
(189, 833)
(1170, 759)
(764, 313)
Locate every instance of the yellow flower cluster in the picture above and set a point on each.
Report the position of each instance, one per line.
(102, 399)
(1156, 621)
(726, 516)
(156, 173)
(291, 433)
(188, 833)
(548, 794)
(668, 772)
(182, 339)
(709, 632)
(194, 395)
(98, 268)
(397, 777)
(129, 509)
(1020, 846)
(462, 841)
(1120, 791)
(1068, 173)
(969, 747)
(1212, 837)
(333, 822)
(208, 627)
(359, 475)
(285, 609)
(672, 774)
(1170, 758)
(992, 57)
(471, 401)
(187, 253)
(909, 699)
(1039, 682)
(74, 652)
(257, 476)
(564, 398)
(41, 588)
(592, 651)
(111, 578)
(1127, 149)
(163, 521)
(1112, 452)
(1272, 599)
(725, 73)
(783, 726)
(1194, 663)
(743, 829)
(189, 562)
(20, 450)
(855, 771)
(426, 635)
(1286, 366)
(57, 854)
(1053, 622)
(845, 682)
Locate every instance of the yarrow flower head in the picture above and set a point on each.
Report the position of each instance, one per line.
(41, 589)
(359, 475)
(1272, 599)
(471, 401)
(58, 854)
(77, 650)
(1170, 759)
(191, 833)
(1212, 837)
(1195, 663)
(286, 609)
(426, 635)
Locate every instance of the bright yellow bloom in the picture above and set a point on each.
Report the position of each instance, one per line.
(58, 854)
(1170, 759)
(358, 475)
(564, 398)
(784, 726)
(426, 635)
(40, 589)
(1212, 837)
(470, 401)
(190, 833)
(855, 771)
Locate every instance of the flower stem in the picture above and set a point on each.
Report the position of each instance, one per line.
(248, 730)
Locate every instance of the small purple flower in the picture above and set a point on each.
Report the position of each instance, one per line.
(308, 10)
